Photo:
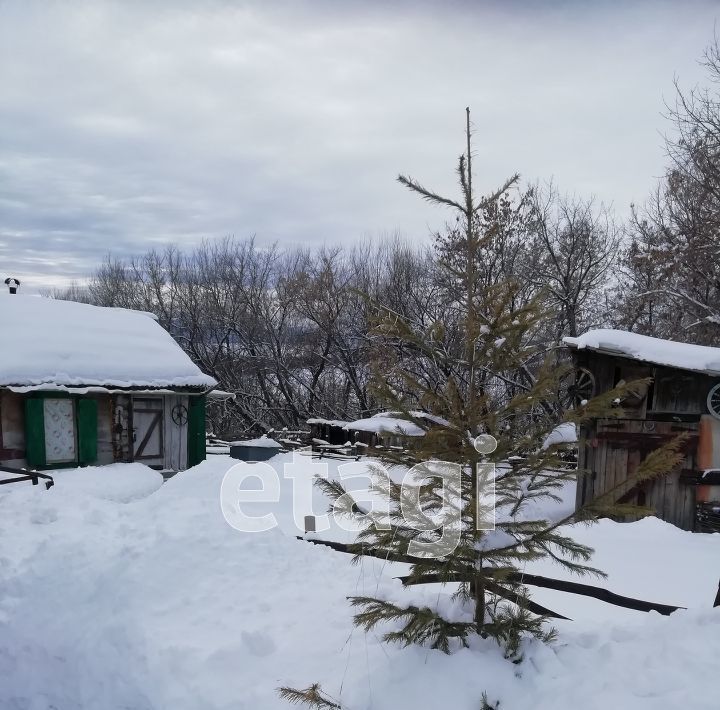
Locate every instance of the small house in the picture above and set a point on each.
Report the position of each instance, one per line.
(330, 430)
(82, 385)
(391, 429)
(382, 430)
(683, 396)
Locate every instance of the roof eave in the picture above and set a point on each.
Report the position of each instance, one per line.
(619, 353)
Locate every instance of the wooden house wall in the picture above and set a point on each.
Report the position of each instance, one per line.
(678, 392)
(370, 438)
(672, 391)
(113, 433)
(122, 438)
(332, 433)
(12, 429)
(105, 453)
(383, 438)
(611, 449)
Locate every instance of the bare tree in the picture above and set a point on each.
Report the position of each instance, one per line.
(672, 267)
(572, 247)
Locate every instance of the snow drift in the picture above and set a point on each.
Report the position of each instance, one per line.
(157, 603)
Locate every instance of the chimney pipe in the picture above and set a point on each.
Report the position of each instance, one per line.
(12, 284)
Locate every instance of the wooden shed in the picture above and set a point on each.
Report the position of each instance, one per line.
(683, 396)
(81, 385)
(392, 429)
(382, 430)
(332, 431)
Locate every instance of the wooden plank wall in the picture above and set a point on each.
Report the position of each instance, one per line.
(121, 435)
(12, 428)
(613, 449)
(174, 436)
(104, 428)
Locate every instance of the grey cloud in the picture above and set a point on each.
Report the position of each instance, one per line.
(129, 124)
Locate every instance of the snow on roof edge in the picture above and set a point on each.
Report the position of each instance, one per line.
(262, 442)
(389, 425)
(109, 389)
(644, 348)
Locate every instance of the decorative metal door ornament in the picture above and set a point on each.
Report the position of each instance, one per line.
(179, 414)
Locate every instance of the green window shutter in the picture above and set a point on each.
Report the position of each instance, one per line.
(87, 417)
(34, 432)
(196, 430)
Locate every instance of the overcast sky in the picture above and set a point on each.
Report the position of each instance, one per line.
(125, 125)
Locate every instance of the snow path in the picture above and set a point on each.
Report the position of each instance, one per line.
(157, 603)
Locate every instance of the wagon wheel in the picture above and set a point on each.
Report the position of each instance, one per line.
(576, 387)
(713, 401)
(179, 414)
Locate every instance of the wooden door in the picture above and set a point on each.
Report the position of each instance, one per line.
(147, 430)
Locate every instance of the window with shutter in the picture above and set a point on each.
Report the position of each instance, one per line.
(60, 431)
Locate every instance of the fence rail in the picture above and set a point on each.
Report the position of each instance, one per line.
(24, 474)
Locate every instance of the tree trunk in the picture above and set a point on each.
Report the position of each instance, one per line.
(479, 595)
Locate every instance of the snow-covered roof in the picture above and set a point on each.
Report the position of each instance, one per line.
(55, 344)
(385, 422)
(394, 422)
(263, 442)
(380, 423)
(684, 356)
(328, 422)
(424, 416)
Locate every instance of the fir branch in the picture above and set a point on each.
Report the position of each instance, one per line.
(422, 625)
(313, 697)
(427, 194)
(495, 196)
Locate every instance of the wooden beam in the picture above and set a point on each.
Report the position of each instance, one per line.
(585, 590)
(645, 440)
(589, 590)
(533, 580)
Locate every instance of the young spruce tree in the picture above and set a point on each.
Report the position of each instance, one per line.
(482, 371)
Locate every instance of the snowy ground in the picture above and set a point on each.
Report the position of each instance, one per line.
(117, 592)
